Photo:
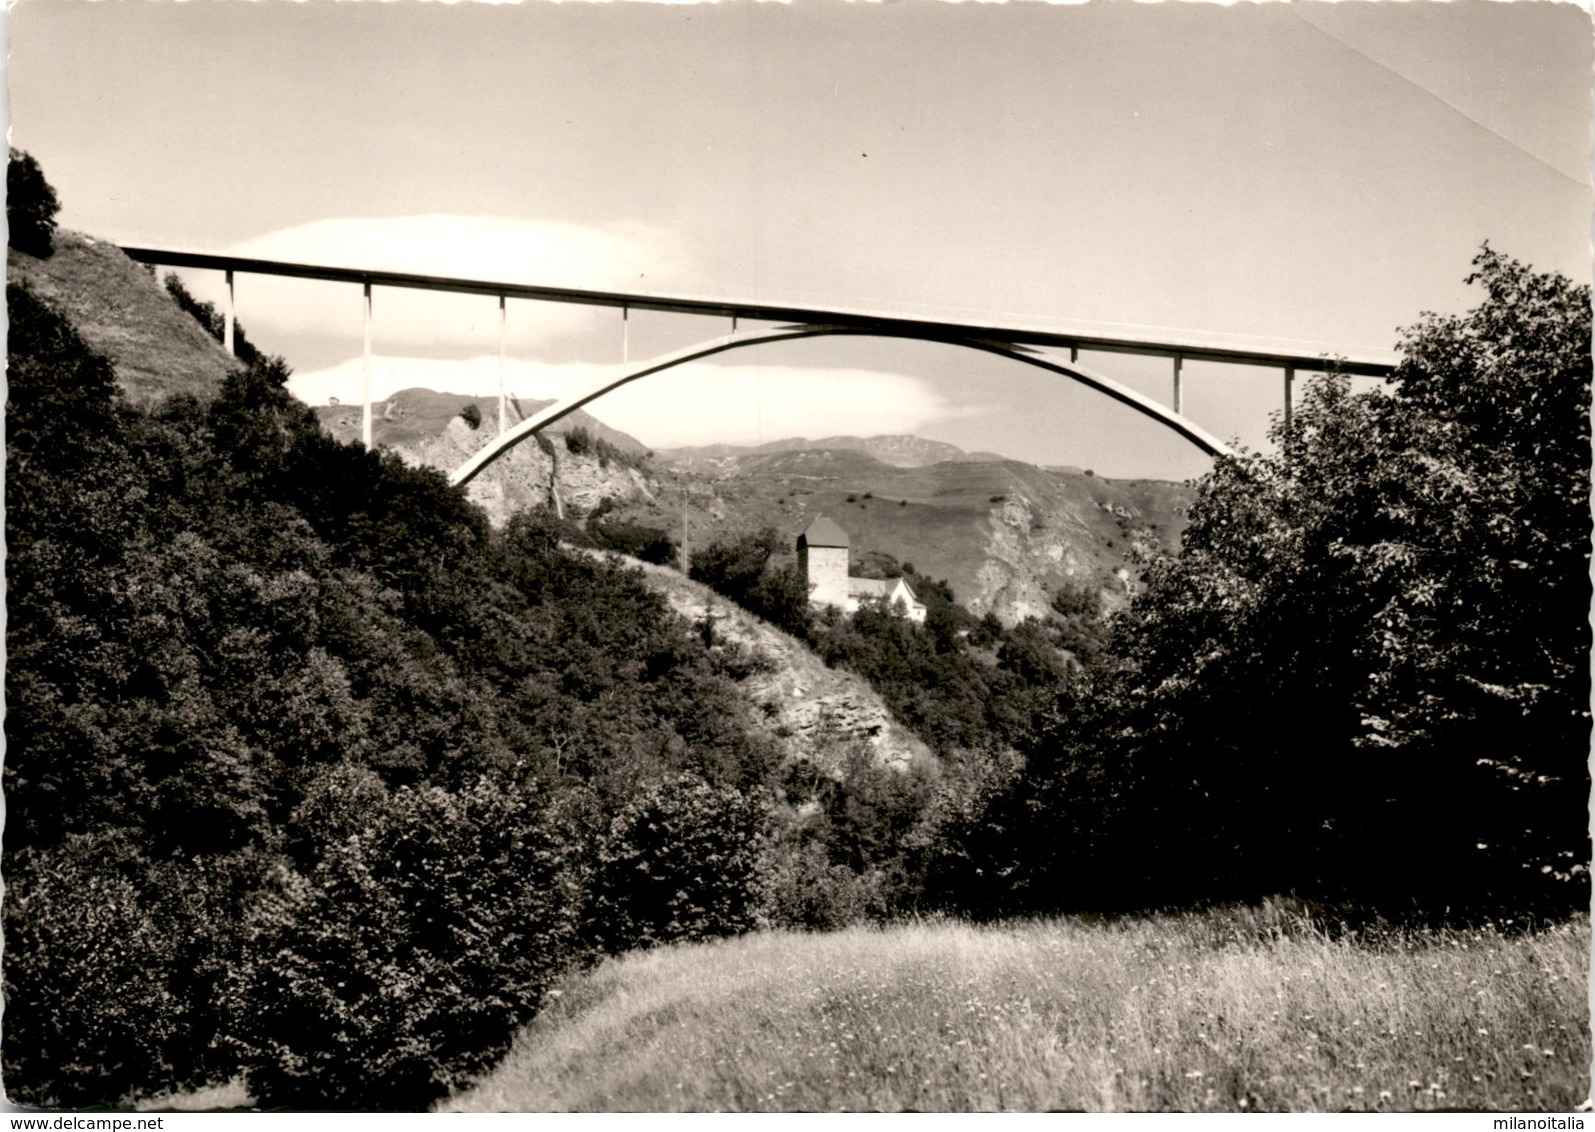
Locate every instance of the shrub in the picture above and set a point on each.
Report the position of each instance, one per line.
(31, 206)
(85, 973)
(579, 441)
(404, 961)
(681, 862)
(214, 322)
(111, 971)
(638, 541)
(472, 415)
(805, 891)
(741, 570)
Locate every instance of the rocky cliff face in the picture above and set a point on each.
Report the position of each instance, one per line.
(428, 430)
(1051, 536)
(532, 474)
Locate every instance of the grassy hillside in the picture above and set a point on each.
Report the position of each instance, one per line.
(1007, 535)
(122, 313)
(1227, 1011)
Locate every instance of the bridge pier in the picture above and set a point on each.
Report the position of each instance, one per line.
(365, 417)
(1179, 364)
(227, 323)
(503, 416)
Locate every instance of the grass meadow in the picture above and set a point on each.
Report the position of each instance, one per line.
(1248, 1010)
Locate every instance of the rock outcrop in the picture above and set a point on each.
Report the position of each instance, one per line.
(816, 714)
(428, 429)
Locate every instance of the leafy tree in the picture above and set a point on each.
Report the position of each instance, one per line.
(743, 570)
(31, 206)
(1366, 675)
(256, 682)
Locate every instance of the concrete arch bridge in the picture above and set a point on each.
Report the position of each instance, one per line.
(1018, 343)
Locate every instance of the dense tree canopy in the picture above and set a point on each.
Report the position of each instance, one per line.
(304, 760)
(1365, 676)
(31, 206)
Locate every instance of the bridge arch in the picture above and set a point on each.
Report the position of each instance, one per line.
(628, 372)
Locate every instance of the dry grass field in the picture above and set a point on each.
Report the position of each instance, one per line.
(1229, 1011)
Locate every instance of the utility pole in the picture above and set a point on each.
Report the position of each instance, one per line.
(686, 553)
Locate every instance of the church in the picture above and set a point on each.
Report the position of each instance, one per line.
(823, 552)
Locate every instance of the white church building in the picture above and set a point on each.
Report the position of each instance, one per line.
(823, 552)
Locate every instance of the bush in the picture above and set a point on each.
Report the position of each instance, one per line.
(31, 206)
(741, 570)
(214, 322)
(472, 415)
(85, 971)
(631, 538)
(111, 972)
(403, 963)
(682, 862)
(805, 891)
(578, 441)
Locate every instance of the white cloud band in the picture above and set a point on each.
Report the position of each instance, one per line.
(699, 403)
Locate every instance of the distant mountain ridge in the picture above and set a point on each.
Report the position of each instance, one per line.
(900, 451)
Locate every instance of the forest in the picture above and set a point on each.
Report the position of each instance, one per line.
(317, 780)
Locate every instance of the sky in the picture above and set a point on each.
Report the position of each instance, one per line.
(1307, 175)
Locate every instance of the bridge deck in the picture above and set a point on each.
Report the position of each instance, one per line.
(895, 325)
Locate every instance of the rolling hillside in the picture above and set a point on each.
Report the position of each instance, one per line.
(1223, 1011)
(116, 304)
(898, 451)
(1006, 535)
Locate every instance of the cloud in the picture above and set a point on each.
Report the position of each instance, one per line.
(698, 403)
(616, 257)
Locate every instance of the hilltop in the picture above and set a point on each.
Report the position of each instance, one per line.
(124, 313)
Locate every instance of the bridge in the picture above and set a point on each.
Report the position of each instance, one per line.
(1019, 343)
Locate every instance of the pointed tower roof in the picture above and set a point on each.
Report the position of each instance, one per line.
(823, 532)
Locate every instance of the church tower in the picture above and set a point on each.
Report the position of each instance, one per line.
(822, 557)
